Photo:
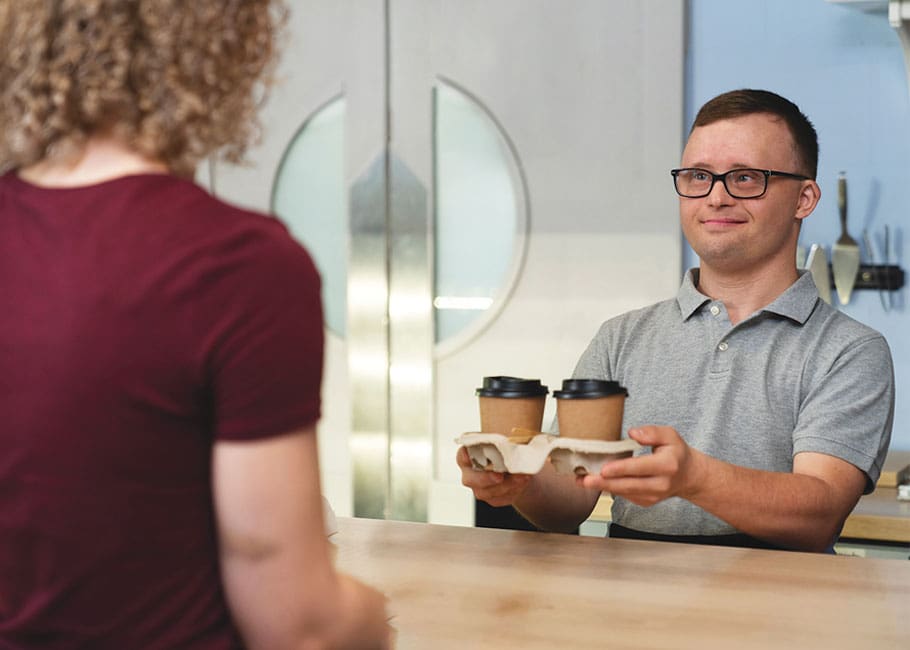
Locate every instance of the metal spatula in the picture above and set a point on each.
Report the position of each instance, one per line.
(817, 263)
(844, 253)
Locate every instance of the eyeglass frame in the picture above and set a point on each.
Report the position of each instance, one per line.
(768, 173)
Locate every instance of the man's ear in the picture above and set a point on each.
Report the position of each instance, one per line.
(809, 195)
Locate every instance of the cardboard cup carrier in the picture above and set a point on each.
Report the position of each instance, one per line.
(589, 412)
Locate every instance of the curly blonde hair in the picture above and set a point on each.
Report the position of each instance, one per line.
(174, 79)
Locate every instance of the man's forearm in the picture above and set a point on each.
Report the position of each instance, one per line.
(793, 510)
(554, 502)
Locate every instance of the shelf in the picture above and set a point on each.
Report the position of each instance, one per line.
(898, 12)
(865, 5)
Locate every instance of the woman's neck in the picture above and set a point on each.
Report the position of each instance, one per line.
(100, 159)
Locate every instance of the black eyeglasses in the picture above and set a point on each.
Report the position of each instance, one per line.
(694, 183)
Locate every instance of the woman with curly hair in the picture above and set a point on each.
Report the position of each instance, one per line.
(160, 351)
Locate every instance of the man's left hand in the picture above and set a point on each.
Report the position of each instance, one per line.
(671, 469)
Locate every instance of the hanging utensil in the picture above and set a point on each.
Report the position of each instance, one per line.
(876, 273)
(845, 253)
(817, 263)
(887, 287)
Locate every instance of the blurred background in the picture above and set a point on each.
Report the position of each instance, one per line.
(483, 183)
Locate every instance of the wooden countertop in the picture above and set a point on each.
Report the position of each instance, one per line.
(453, 587)
(878, 516)
(894, 462)
(881, 517)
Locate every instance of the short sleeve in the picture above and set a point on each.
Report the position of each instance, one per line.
(264, 336)
(850, 410)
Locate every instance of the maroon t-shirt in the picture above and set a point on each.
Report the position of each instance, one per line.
(141, 320)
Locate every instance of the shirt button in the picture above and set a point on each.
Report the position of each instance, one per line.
(715, 310)
(723, 346)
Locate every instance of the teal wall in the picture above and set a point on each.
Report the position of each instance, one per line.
(845, 69)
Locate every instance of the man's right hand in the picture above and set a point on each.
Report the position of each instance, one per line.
(496, 488)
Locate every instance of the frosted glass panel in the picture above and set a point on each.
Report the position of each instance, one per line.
(477, 214)
(309, 196)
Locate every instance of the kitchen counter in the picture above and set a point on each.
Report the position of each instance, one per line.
(454, 587)
(879, 517)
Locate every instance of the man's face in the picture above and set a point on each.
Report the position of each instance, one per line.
(738, 235)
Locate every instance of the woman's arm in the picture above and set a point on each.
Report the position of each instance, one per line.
(278, 576)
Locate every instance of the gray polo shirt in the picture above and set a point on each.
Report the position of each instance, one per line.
(795, 376)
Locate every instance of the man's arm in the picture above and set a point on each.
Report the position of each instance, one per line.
(280, 583)
(548, 500)
(803, 509)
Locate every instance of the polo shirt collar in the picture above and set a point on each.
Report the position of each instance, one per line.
(689, 297)
(796, 303)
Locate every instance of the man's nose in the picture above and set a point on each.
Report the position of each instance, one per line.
(719, 194)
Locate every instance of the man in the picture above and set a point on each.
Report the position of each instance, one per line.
(768, 412)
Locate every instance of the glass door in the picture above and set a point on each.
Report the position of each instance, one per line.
(480, 184)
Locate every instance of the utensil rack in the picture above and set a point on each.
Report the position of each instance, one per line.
(883, 277)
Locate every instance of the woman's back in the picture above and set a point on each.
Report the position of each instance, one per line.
(125, 314)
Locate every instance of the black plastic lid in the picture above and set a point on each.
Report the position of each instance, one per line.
(511, 387)
(588, 389)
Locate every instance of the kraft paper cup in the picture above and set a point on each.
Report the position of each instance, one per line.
(510, 402)
(590, 409)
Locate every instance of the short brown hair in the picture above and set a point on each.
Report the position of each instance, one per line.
(738, 103)
(176, 79)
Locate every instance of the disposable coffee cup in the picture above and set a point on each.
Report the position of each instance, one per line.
(590, 409)
(510, 402)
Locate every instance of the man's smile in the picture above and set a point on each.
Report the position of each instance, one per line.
(721, 221)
